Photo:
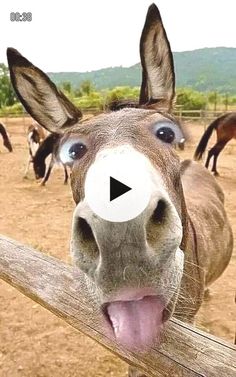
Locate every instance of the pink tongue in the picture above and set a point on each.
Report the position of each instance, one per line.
(136, 324)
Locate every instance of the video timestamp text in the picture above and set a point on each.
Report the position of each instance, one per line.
(19, 17)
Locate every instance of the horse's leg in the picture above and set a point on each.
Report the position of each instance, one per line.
(217, 149)
(214, 165)
(210, 154)
(48, 172)
(27, 167)
(66, 175)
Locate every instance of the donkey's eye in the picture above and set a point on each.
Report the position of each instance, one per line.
(76, 151)
(168, 132)
(71, 151)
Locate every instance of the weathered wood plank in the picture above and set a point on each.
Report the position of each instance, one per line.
(60, 288)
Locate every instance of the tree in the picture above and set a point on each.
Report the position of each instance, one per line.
(66, 86)
(78, 92)
(191, 99)
(122, 93)
(213, 98)
(7, 95)
(86, 87)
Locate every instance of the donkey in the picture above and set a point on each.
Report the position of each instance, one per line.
(141, 271)
(35, 136)
(6, 140)
(48, 146)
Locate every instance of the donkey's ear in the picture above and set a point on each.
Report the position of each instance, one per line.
(39, 95)
(158, 81)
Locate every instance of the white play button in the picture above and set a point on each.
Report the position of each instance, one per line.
(117, 185)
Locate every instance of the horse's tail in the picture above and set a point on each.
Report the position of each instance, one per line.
(6, 140)
(204, 139)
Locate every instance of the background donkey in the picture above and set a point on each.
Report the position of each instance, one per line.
(35, 136)
(158, 264)
(48, 147)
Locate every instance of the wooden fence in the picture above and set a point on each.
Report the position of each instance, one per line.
(200, 115)
(60, 288)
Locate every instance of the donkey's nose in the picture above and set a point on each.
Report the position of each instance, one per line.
(117, 250)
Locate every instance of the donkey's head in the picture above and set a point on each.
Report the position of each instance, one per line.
(134, 267)
(39, 167)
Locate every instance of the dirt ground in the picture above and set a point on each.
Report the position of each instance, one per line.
(33, 342)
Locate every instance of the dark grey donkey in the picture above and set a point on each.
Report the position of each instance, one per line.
(48, 147)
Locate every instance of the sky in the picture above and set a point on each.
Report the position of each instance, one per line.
(76, 35)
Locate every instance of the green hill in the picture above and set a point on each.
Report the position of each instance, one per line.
(206, 69)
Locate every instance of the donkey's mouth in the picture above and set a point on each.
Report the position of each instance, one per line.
(136, 324)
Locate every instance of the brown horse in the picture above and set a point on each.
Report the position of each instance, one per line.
(158, 263)
(6, 140)
(225, 127)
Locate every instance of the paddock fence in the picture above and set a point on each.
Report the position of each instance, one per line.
(60, 288)
(203, 116)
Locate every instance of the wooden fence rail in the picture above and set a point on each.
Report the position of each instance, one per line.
(60, 288)
(178, 111)
(202, 115)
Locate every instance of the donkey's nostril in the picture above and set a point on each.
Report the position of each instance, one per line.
(85, 238)
(159, 212)
(85, 230)
(84, 246)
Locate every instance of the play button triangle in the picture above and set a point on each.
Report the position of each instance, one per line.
(117, 188)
